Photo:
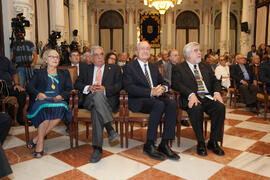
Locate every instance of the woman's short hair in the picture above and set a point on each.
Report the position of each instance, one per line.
(46, 54)
(108, 56)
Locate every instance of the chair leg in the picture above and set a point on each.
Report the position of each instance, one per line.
(87, 129)
(265, 109)
(116, 126)
(71, 133)
(121, 134)
(77, 133)
(205, 128)
(178, 133)
(131, 129)
(126, 133)
(16, 107)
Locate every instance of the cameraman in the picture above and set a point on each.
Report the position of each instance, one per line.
(24, 55)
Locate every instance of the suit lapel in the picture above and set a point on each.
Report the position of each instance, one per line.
(91, 74)
(140, 72)
(107, 68)
(190, 73)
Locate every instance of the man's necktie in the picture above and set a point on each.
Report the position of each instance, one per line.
(147, 75)
(98, 76)
(201, 90)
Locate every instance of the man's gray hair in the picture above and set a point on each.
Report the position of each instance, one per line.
(188, 47)
(85, 54)
(94, 48)
(137, 46)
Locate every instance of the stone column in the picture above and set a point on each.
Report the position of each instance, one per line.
(74, 18)
(206, 30)
(92, 27)
(25, 7)
(169, 29)
(85, 23)
(57, 20)
(225, 27)
(130, 31)
(246, 39)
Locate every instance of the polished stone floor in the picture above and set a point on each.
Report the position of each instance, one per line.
(246, 144)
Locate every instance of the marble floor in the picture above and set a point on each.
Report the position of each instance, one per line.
(246, 144)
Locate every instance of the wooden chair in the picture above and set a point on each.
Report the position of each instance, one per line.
(131, 117)
(10, 101)
(73, 74)
(262, 97)
(234, 93)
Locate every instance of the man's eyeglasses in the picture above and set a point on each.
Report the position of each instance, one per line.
(196, 50)
(96, 54)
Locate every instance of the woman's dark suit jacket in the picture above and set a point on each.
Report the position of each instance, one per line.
(39, 83)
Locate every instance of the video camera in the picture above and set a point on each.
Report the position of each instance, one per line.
(74, 46)
(52, 39)
(18, 25)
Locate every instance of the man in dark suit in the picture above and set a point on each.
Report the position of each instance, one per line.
(264, 71)
(251, 53)
(145, 86)
(5, 123)
(245, 79)
(100, 83)
(165, 58)
(200, 92)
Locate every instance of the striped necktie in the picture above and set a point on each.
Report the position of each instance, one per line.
(147, 75)
(98, 76)
(201, 90)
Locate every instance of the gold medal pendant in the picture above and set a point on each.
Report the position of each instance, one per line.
(53, 86)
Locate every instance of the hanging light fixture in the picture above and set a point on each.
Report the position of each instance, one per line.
(162, 5)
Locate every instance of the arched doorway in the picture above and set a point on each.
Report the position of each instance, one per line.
(233, 32)
(187, 30)
(111, 31)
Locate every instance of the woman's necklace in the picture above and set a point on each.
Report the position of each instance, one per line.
(52, 86)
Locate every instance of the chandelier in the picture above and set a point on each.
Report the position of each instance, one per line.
(162, 5)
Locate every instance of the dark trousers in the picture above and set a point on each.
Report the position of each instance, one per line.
(101, 113)
(21, 98)
(248, 93)
(215, 110)
(5, 123)
(156, 107)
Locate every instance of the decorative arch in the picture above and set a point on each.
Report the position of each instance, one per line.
(187, 30)
(233, 32)
(111, 31)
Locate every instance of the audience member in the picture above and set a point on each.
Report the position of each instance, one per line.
(100, 83)
(222, 73)
(211, 60)
(145, 87)
(47, 105)
(251, 53)
(111, 58)
(200, 92)
(173, 60)
(164, 58)
(5, 123)
(245, 80)
(122, 59)
(262, 50)
(264, 71)
(208, 53)
(10, 75)
(87, 58)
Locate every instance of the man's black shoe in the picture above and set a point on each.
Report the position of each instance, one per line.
(113, 138)
(185, 123)
(166, 150)
(152, 152)
(201, 149)
(96, 155)
(213, 145)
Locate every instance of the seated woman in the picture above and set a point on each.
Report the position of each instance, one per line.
(222, 73)
(48, 89)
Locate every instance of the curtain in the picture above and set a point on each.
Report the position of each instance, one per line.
(261, 25)
(117, 40)
(232, 41)
(217, 39)
(193, 35)
(180, 41)
(105, 40)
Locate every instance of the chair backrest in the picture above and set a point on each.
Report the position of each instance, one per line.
(73, 71)
(161, 69)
